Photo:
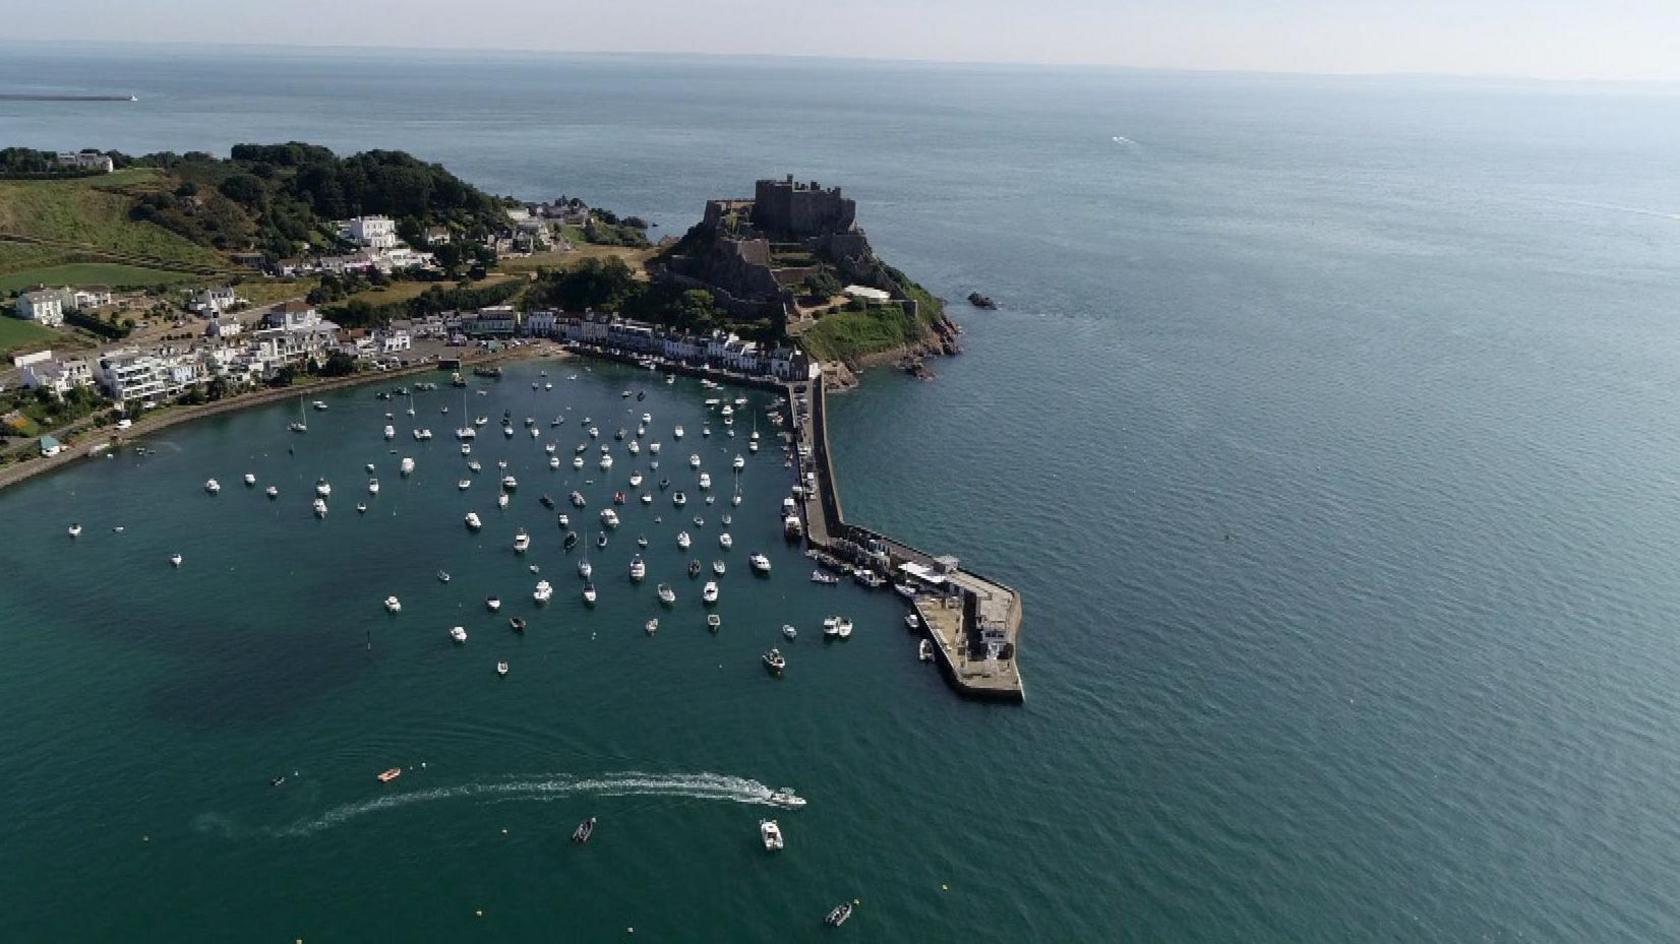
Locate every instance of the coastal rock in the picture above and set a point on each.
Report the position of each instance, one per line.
(980, 301)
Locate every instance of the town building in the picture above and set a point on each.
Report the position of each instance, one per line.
(374, 232)
(84, 160)
(58, 376)
(89, 297)
(45, 306)
(213, 301)
(129, 376)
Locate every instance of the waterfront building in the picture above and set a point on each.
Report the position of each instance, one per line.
(129, 376)
(292, 316)
(542, 324)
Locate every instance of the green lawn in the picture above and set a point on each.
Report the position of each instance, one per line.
(113, 274)
(16, 334)
(843, 335)
(91, 213)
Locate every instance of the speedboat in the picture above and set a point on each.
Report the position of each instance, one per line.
(492, 603)
(393, 604)
(584, 830)
(443, 576)
(517, 623)
(600, 539)
(75, 530)
(667, 596)
(775, 661)
(683, 540)
(843, 627)
(679, 499)
(323, 488)
(789, 631)
(760, 563)
(473, 522)
(589, 595)
(502, 668)
(609, 517)
(543, 592)
(652, 626)
(839, 915)
(320, 506)
(818, 576)
(250, 480)
(714, 622)
(638, 569)
(725, 541)
(521, 541)
(924, 652)
(718, 567)
(771, 834)
(212, 486)
(373, 486)
(786, 798)
(458, 633)
(709, 593)
(740, 462)
(693, 569)
(271, 492)
(694, 460)
(175, 559)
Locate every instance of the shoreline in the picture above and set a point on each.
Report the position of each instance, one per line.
(100, 439)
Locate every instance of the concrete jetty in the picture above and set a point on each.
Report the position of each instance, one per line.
(973, 621)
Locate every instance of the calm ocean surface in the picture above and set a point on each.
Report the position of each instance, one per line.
(1329, 427)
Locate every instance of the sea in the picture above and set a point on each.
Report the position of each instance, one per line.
(1328, 425)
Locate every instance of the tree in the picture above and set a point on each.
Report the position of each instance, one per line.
(245, 189)
(338, 364)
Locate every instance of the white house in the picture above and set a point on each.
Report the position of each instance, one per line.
(214, 301)
(89, 297)
(395, 342)
(45, 306)
(292, 316)
(58, 376)
(224, 328)
(541, 324)
(374, 232)
(84, 160)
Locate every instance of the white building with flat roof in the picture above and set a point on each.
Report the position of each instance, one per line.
(374, 232)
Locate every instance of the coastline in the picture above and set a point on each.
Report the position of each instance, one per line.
(101, 438)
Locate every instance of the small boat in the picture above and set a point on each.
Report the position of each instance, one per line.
(905, 590)
(571, 540)
(492, 603)
(924, 652)
(647, 498)
(831, 627)
(443, 576)
(694, 460)
(714, 622)
(619, 498)
(651, 626)
(509, 482)
(635, 478)
(771, 834)
(683, 540)
(392, 604)
(386, 776)
(912, 622)
(473, 522)
(775, 661)
(319, 405)
(407, 466)
(320, 506)
(464, 484)
(677, 432)
(521, 541)
(718, 567)
(212, 486)
(705, 431)
(277, 781)
(818, 576)
(584, 830)
(667, 596)
(589, 595)
(458, 633)
(789, 631)
(609, 517)
(564, 520)
(705, 481)
(517, 623)
(577, 462)
(839, 915)
(250, 480)
(740, 462)
(699, 522)
(679, 499)
(601, 539)
(638, 569)
(546, 502)
(725, 541)
(653, 448)
(361, 508)
(323, 488)
(554, 462)
(760, 563)
(373, 486)
(578, 500)
(175, 559)
(693, 569)
(641, 540)
(542, 593)
(843, 628)
(502, 500)
(786, 798)
(75, 530)
(709, 593)
(502, 668)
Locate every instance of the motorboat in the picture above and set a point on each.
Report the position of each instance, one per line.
(924, 651)
(521, 541)
(638, 568)
(536, 433)
(600, 539)
(493, 603)
(818, 576)
(839, 915)
(392, 604)
(546, 502)
(509, 482)
(831, 627)
(771, 834)
(635, 478)
(740, 462)
(386, 776)
(679, 499)
(664, 484)
(653, 448)
(594, 432)
(694, 460)
(609, 517)
(786, 798)
(502, 668)
(250, 479)
(705, 480)
(570, 541)
(323, 488)
(443, 576)
(212, 486)
(543, 592)
(361, 508)
(693, 569)
(517, 623)
(725, 541)
(843, 628)
(641, 540)
(502, 500)
(175, 559)
(905, 590)
(272, 492)
(473, 521)
(584, 830)
(677, 432)
(466, 449)
(458, 633)
(912, 622)
(320, 506)
(589, 595)
(564, 520)
(667, 596)
(718, 567)
(775, 661)
(577, 499)
(464, 484)
(709, 593)
(789, 631)
(577, 462)
(647, 498)
(619, 498)
(75, 530)
(373, 486)
(651, 626)
(554, 462)
(683, 540)
(714, 622)
(760, 563)
(633, 447)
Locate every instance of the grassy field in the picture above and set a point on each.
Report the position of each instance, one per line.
(260, 292)
(633, 257)
(16, 334)
(90, 214)
(844, 335)
(116, 275)
(403, 291)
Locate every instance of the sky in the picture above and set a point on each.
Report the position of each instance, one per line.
(1628, 40)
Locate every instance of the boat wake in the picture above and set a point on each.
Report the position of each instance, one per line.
(701, 786)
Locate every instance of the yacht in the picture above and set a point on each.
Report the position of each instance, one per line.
(714, 622)
(373, 486)
(320, 506)
(705, 480)
(694, 460)
(818, 576)
(924, 651)
(635, 478)
(75, 530)
(667, 596)
(771, 834)
(679, 499)
(638, 569)
(271, 492)
(786, 798)
(718, 567)
(458, 633)
(509, 482)
(760, 563)
(473, 522)
(502, 668)
(464, 484)
(323, 488)
(683, 540)
(212, 486)
(502, 500)
(392, 604)
(709, 593)
(789, 631)
(677, 433)
(521, 542)
(775, 662)
(725, 541)
(543, 591)
(693, 569)
(839, 915)
(652, 626)
(609, 517)
(589, 595)
(175, 559)
(492, 603)
(250, 479)
(843, 627)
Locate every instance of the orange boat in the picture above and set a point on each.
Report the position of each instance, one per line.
(390, 775)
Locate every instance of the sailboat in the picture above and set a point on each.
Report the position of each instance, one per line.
(411, 404)
(299, 425)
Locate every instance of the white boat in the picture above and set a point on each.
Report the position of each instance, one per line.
(509, 482)
(75, 530)
(502, 668)
(635, 478)
(492, 603)
(679, 499)
(705, 480)
(466, 449)
(760, 563)
(771, 833)
(709, 593)
(740, 462)
(589, 595)
(502, 500)
(373, 486)
(535, 433)
(725, 541)
(789, 631)
(299, 425)
(924, 651)
(653, 448)
(818, 576)
(443, 576)
(843, 627)
(250, 479)
(554, 462)
(667, 596)
(683, 540)
(543, 592)
(323, 488)
(175, 559)
(705, 430)
(320, 506)
(912, 622)
(718, 567)
(638, 568)
(577, 462)
(406, 466)
(521, 542)
(458, 633)
(466, 433)
(319, 405)
(594, 432)
(392, 604)
(775, 662)
(271, 492)
(651, 626)
(390, 431)
(714, 622)
(606, 463)
(212, 486)
(609, 517)
(633, 447)
(361, 508)
(786, 798)
(464, 484)
(694, 460)
(647, 498)
(831, 627)
(473, 522)
(677, 432)
(584, 567)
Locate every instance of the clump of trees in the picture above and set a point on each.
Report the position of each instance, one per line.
(609, 285)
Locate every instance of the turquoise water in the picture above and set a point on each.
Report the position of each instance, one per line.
(1326, 426)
